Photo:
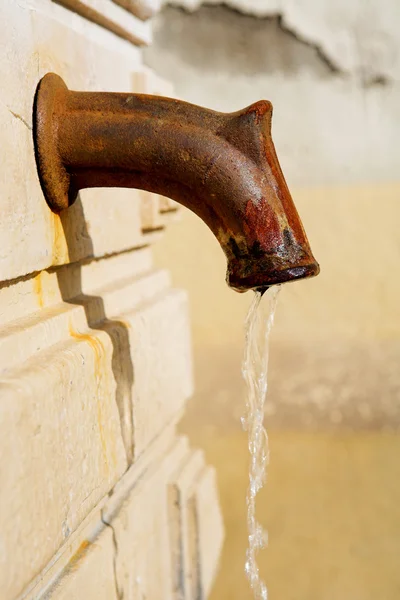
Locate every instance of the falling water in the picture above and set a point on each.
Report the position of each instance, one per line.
(259, 322)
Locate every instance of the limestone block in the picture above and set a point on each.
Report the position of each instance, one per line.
(208, 517)
(196, 529)
(143, 561)
(156, 211)
(93, 368)
(41, 37)
(90, 534)
(61, 451)
(150, 212)
(161, 354)
(187, 575)
(161, 515)
(90, 573)
(167, 205)
(69, 309)
(158, 530)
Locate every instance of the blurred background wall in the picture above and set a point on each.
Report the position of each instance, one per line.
(332, 503)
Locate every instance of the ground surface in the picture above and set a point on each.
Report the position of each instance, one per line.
(331, 504)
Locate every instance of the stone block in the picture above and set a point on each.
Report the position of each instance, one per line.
(61, 451)
(150, 212)
(185, 547)
(161, 355)
(41, 39)
(94, 367)
(153, 529)
(90, 573)
(196, 527)
(61, 575)
(143, 560)
(208, 517)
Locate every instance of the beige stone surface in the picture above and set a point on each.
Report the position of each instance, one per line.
(61, 451)
(144, 564)
(353, 36)
(196, 529)
(89, 574)
(130, 538)
(168, 532)
(161, 355)
(96, 363)
(182, 489)
(209, 521)
(71, 554)
(150, 212)
(41, 38)
(95, 352)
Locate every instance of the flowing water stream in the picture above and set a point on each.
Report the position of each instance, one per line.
(259, 323)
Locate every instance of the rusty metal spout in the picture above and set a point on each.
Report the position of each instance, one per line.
(221, 166)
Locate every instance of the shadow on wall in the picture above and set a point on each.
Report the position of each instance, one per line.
(70, 284)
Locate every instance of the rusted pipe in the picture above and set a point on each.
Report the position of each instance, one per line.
(221, 166)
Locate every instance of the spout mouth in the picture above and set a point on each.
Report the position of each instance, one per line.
(241, 279)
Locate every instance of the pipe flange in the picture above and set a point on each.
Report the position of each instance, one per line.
(48, 108)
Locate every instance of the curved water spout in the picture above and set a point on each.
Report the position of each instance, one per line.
(221, 166)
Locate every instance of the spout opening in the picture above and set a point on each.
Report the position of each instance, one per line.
(240, 279)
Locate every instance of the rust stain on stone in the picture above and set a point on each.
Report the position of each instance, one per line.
(102, 390)
(38, 289)
(59, 246)
(81, 551)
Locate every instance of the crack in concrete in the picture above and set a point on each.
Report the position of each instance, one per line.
(17, 116)
(118, 590)
(320, 52)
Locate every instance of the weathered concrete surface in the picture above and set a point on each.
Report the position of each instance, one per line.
(336, 94)
(355, 37)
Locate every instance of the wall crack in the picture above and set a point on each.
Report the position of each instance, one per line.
(118, 590)
(20, 118)
(288, 30)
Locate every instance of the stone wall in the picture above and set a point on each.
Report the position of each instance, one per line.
(100, 498)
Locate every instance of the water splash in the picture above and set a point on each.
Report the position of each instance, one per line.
(259, 323)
